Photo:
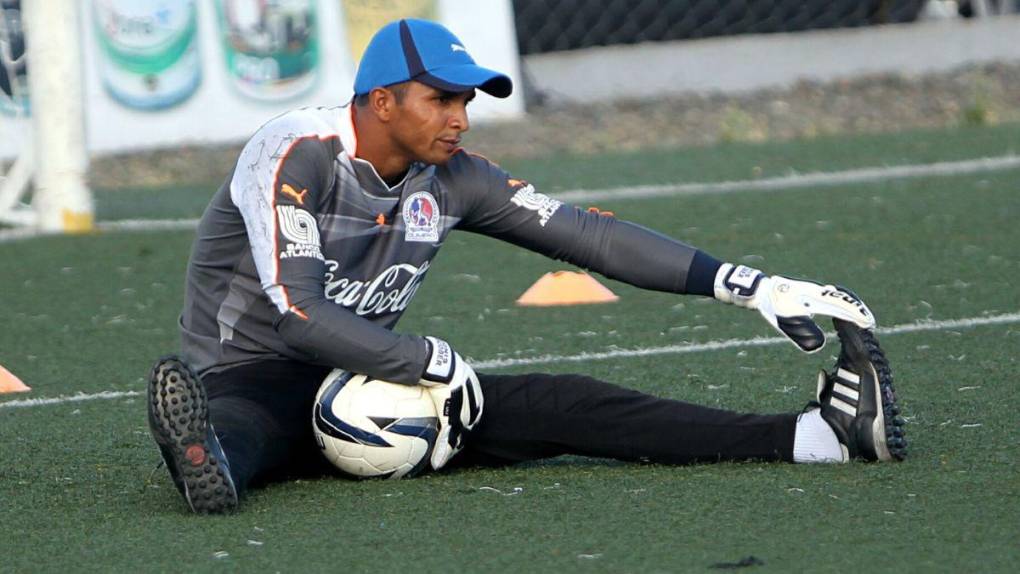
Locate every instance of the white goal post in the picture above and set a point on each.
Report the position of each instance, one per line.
(52, 158)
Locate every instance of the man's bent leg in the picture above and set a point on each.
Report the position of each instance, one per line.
(233, 427)
(250, 437)
(262, 414)
(178, 412)
(537, 416)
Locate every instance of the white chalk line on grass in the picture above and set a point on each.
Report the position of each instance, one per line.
(9, 235)
(920, 326)
(147, 225)
(799, 180)
(791, 181)
(737, 343)
(80, 397)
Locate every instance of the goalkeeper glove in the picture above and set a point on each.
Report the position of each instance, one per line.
(455, 391)
(788, 304)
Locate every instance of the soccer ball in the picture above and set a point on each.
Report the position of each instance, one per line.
(371, 428)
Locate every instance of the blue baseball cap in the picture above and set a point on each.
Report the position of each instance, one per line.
(426, 52)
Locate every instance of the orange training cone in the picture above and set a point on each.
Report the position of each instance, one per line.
(11, 384)
(566, 288)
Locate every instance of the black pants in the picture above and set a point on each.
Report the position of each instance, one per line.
(262, 414)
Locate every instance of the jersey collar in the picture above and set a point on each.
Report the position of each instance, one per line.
(348, 135)
(372, 183)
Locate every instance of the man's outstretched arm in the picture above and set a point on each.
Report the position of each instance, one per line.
(512, 210)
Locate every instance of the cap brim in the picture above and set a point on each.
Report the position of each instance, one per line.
(466, 77)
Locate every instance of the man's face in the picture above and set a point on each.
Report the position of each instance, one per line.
(427, 123)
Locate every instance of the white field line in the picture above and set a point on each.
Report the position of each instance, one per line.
(920, 326)
(148, 225)
(10, 235)
(80, 397)
(791, 181)
(737, 343)
(799, 180)
(16, 233)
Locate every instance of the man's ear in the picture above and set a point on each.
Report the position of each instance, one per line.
(383, 103)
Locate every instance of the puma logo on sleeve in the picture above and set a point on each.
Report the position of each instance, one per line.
(298, 197)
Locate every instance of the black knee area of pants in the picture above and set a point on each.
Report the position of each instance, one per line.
(262, 414)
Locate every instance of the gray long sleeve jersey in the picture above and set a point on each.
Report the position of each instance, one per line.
(305, 253)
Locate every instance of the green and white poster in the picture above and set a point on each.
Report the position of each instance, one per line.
(13, 77)
(271, 46)
(148, 51)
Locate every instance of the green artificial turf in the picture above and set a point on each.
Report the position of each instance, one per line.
(90, 314)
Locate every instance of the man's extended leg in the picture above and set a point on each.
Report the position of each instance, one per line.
(537, 416)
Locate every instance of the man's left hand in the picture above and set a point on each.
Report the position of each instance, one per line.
(454, 388)
(788, 304)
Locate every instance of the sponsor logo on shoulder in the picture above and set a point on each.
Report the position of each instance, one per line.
(528, 198)
(301, 231)
(295, 195)
(421, 217)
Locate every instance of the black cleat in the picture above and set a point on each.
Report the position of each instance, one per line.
(179, 422)
(858, 401)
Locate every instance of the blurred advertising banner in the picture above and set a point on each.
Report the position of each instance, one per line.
(147, 51)
(163, 73)
(363, 17)
(14, 95)
(13, 78)
(271, 48)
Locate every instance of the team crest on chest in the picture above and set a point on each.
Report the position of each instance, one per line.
(421, 217)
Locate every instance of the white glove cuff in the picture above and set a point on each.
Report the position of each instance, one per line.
(737, 284)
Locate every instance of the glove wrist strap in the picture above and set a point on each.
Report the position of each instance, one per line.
(440, 365)
(738, 284)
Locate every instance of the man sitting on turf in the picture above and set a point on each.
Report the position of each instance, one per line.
(310, 252)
